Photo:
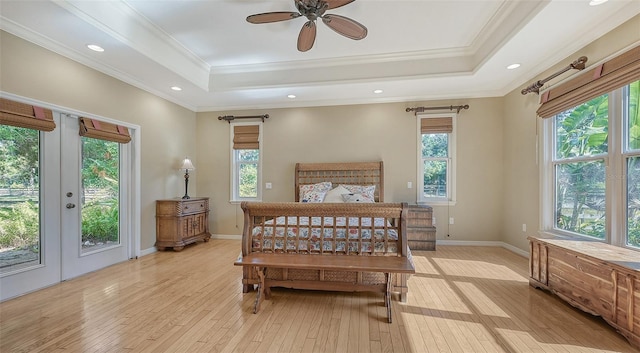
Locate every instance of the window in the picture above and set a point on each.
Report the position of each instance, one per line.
(436, 158)
(592, 169)
(246, 156)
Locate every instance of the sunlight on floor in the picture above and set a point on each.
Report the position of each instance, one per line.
(477, 269)
(482, 303)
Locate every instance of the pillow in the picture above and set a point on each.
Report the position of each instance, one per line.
(335, 195)
(314, 192)
(366, 190)
(356, 198)
(313, 196)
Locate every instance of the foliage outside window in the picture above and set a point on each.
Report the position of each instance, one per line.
(588, 166)
(436, 163)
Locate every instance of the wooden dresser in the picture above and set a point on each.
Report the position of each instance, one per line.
(180, 222)
(598, 278)
(421, 234)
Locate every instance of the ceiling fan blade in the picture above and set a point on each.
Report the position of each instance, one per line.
(345, 26)
(307, 36)
(269, 17)
(337, 3)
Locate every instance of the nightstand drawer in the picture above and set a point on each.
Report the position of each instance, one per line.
(194, 206)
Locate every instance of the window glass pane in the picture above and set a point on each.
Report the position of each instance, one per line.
(435, 178)
(100, 198)
(633, 201)
(248, 183)
(583, 130)
(632, 98)
(435, 145)
(19, 198)
(580, 198)
(248, 155)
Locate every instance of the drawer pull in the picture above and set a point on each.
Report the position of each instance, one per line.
(186, 207)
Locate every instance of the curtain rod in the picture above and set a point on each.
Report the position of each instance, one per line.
(458, 108)
(579, 64)
(228, 118)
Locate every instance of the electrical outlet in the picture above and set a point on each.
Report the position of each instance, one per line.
(433, 220)
(524, 227)
(450, 220)
(409, 185)
(268, 186)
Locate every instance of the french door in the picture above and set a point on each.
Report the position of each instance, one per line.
(79, 199)
(91, 191)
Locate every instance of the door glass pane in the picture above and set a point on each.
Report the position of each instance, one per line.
(100, 194)
(580, 198)
(19, 198)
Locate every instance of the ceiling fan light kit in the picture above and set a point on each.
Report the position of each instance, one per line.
(312, 10)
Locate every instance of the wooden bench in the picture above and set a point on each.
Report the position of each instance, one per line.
(383, 264)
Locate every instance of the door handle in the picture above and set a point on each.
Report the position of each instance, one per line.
(71, 205)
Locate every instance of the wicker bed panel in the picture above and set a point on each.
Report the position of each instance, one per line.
(360, 173)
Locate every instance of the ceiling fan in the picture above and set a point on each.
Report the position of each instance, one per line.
(312, 10)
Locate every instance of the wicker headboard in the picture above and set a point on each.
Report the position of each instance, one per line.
(358, 173)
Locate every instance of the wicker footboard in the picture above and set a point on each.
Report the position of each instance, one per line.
(325, 230)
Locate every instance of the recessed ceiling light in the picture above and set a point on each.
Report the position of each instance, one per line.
(176, 88)
(292, 96)
(95, 48)
(513, 66)
(597, 2)
(378, 91)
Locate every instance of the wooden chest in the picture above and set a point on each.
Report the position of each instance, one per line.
(598, 278)
(180, 222)
(421, 234)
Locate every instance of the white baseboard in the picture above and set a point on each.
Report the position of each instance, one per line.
(484, 243)
(148, 251)
(227, 236)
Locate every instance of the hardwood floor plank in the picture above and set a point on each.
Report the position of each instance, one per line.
(461, 299)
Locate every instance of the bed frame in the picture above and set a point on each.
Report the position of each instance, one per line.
(259, 214)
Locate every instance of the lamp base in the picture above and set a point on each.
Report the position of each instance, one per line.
(186, 197)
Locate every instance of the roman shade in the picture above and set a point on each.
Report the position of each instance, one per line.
(604, 78)
(442, 125)
(104, 131)
(246, 137)
(25, 115)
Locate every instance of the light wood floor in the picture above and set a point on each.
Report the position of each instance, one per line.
(462, 299)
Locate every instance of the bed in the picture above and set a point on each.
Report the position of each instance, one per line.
(360, 224)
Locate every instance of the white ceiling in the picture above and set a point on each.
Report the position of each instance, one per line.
(415, 50)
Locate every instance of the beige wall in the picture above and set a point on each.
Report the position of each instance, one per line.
(362, 133)
(521, 173)
(167, 129)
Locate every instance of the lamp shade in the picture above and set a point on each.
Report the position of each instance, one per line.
(187, 165)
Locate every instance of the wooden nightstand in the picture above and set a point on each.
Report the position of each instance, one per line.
(180, 222)
(421, 233)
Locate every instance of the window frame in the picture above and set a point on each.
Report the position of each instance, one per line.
(450, 199)
(615, 161)
(235, 165)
